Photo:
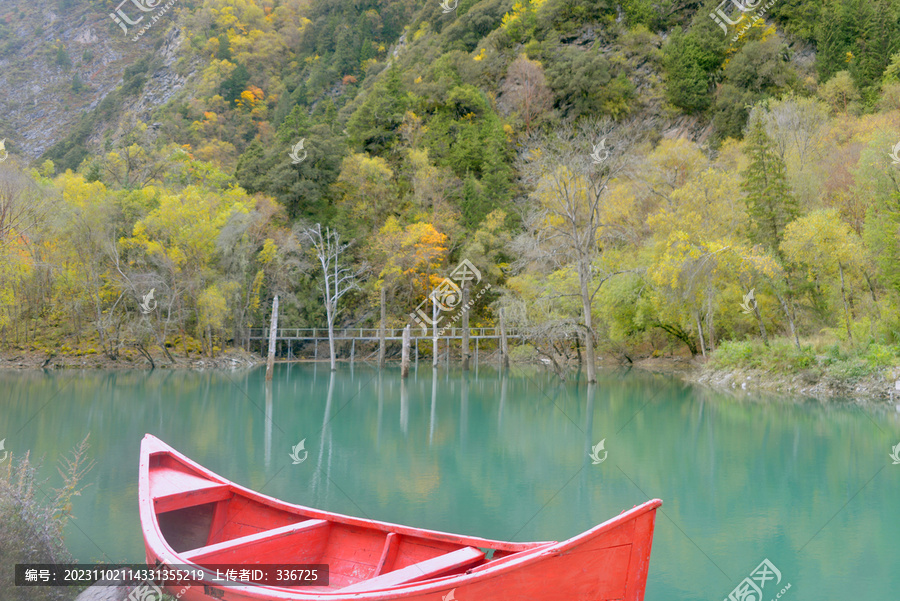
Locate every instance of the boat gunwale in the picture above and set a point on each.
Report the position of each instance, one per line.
(539, 550)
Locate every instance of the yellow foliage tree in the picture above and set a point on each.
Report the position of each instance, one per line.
(410, 258)
(826, 247)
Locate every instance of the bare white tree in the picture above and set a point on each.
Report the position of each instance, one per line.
(337, 277)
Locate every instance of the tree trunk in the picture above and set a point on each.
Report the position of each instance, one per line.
(874, 298)
(166, 352)
(141, 350)
(846, 306)
(465, 328)
(404, 356)
(681, 335)
(329, 310)
(381, 335)
(584, 276)
(762, 326)
(273, 333)
(504, 345)
(790, 317)
(578, 351)
(700, 331)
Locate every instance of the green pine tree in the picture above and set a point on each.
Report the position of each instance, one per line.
(836, 35)
(879, 38)
(688, 65)
(374, 126)
(770, 203)
(295, 126)
(252, 168)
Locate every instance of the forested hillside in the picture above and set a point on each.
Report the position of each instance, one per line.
(643, 177)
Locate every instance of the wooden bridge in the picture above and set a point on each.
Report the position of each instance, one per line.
(291, 341)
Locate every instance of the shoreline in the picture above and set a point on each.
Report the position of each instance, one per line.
(878, 387)
(875, 388)
(37, 361)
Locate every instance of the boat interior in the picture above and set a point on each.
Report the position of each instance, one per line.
(209, 523)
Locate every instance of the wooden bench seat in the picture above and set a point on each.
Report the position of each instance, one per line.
(419, 571)
(246, 545)
(176, 487)
(200, 495)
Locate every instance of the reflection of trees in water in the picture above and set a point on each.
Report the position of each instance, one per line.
(325, 433)
(268, 424)
(734, 472)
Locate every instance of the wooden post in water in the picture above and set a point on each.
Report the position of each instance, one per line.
(465, 328)
(504, 346)
(273, 332)
(381, 341)
(404, 356)
(434, 311)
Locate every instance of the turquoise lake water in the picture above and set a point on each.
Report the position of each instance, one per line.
(809, 486)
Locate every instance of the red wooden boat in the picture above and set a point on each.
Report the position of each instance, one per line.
(193, 517)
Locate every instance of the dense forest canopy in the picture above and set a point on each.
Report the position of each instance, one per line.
(623, 174)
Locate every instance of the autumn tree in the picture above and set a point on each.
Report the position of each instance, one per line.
(825, 247)
(433, 192)
(367, 191)
(568, 175)
(259, 258)
(882, 235)
(692, 256)
(410, 258)
(174, 245)
(87, 292)
(797, 128)
(24, 205)
(525, 91)
(840, 92)
(407, 259)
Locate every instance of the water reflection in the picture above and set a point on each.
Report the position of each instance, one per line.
(503, 455)
(434, 380)
(324, 435)
(268, 424)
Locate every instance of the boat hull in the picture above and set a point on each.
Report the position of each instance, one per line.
(610, 562)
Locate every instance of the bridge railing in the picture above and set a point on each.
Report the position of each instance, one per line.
(373, 333)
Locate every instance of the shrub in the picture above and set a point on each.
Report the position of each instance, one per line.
(32, 522)
(522, 353)
(879, 355)
(781, 356)
(834, 354)
(849, 371)
(734, 353)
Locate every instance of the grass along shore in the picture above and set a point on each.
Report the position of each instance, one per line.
(819, 368)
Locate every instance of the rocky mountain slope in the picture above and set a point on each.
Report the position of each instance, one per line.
(59, 60)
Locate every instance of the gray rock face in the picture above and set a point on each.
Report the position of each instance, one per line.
(48, 51)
